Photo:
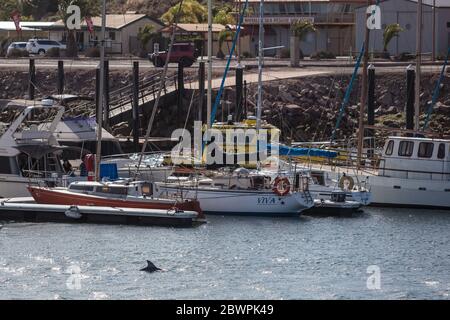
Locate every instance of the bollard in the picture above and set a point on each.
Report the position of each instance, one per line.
(32, 79)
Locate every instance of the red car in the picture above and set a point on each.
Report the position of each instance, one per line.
(181, 52)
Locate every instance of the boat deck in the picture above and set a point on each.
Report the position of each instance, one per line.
(26, 209)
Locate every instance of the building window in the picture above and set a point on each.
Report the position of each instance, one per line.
(390, 148)
(441, 151)
(448, 24)
(425, 150)
(406, 148)
(5, 165)
(112, 36)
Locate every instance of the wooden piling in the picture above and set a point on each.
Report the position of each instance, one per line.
(136, 126)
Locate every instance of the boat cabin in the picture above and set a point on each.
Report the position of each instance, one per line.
(113, 189)
(415, 158)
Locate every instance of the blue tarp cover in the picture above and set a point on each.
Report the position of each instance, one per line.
(294, 152)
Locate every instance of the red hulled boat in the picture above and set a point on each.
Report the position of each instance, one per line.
(109, 194)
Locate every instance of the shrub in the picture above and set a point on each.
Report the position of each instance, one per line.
(247, 55)
(53, 52)
(220, 54)
(4, 43)
(323, 55)
(404, 56)
(93, 52)
(17, 53)
(285, 53)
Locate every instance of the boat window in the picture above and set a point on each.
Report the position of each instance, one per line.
(425, 150)
(406, 148)
(117, 190)
(390, 148)
(146, 189)
(441, 151)
(5, 165)
(81, 187)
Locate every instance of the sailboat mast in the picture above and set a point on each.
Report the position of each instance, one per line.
(210, 49)
(101, 95)
(260, 64)
(362, 105)
(418, 65)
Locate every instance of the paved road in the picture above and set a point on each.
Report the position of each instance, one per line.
(127, 63)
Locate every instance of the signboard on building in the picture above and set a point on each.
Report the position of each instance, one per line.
(277, 20)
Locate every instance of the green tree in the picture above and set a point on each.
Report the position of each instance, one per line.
(191, 12)
(7, 7)
(391, 31)
(225, 16)
(145, 35)
(299, 30)
(88, 8)
(224, 35)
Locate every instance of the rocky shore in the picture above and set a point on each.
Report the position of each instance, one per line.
(304, 108)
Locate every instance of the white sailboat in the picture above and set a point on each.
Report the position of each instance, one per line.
(242, 191)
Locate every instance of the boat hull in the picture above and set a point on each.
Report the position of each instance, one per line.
(413, 193)
(232, 202)
(61, 197)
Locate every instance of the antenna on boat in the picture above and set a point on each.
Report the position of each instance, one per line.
(101, 94)
(210, 45)
(363, 101)
(260, 64)
(260, 67)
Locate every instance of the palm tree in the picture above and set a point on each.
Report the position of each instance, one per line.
(299, 30)
(224, 35)
(389, 33)
(88, 8)
(191, 12)
(145, 35)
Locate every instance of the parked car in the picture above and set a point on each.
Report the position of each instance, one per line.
(40, 46)
(183, 53)
(16, 45)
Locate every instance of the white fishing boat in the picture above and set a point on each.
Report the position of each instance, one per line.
(412, 172)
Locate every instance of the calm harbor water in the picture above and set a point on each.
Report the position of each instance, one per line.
(233, 258)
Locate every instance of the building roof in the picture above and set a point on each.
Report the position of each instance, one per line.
(196, 27)
(307, 1)
(25, 25)
(114, 21)
(439, 3)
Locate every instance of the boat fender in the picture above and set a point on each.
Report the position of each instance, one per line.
(281, 186)
(73, 212)
(346, 183)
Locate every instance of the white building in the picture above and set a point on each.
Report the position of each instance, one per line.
(404, 12)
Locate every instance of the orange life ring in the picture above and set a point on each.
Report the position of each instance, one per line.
(281, 186)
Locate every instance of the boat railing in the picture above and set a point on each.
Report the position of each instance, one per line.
(444, 173)
(128, 155)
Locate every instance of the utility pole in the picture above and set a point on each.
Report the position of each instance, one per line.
(418, 65)
(362, 106)
(433, 25)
